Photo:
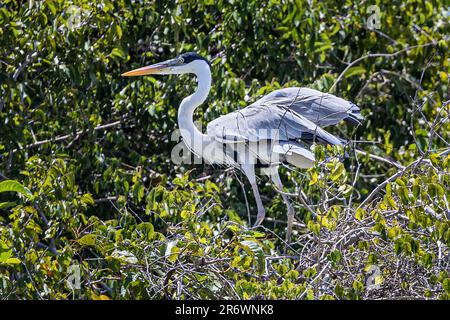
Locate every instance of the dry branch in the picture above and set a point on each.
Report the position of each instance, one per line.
(65, 137)
(376, 55)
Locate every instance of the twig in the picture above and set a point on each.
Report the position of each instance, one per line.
(107, 199)
(65, 137)
(376, 55)
(379, 158)
(390, 179)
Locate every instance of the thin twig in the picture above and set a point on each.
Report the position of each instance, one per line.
(65, 137)
(376, 55)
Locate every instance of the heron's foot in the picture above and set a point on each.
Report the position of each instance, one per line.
(260, 218)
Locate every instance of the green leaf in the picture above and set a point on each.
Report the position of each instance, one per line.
(337, 172)
(12, 261)
(446, 285)
(14, 186)
(354, 71)
(314, 178)
(124, 257)
(118, 52)
(172, 251)
(88, 240)
(257, 234)
(87, 199)
(427, 260)
(147, 228)
(254, 249)
(360, 214)
(335, 256)
(5, 252)
(6, 205)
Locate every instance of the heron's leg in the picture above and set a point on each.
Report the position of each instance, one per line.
(249, 170)
(273, 172)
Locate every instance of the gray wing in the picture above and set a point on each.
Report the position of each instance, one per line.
(267, 122)
(323, 109)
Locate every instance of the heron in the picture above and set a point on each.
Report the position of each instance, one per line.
(276, 129)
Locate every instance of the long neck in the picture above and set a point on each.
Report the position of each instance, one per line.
(194, 138)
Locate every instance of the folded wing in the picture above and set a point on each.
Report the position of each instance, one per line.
(323, 109)
(267, 122)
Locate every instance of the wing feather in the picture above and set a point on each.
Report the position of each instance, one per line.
(286, 117)
(266, 122)
(318, 107)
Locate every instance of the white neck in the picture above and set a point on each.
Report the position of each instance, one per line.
(194, 138)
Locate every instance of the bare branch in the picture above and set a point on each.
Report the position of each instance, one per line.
(376, 55)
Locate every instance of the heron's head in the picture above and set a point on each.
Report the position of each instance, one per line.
(189, 62)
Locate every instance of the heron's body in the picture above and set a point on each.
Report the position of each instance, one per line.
(277, 128)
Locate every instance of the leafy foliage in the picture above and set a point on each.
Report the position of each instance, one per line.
(85, 165)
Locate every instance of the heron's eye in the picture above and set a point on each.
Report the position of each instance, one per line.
(180, 60)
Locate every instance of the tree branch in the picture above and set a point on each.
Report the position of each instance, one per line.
(376, 55)
(65, 137)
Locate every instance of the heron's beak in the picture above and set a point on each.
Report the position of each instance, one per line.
(157, 68)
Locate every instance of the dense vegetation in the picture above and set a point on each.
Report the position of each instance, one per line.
(87, 185)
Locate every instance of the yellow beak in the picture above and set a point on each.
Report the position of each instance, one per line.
(153, 69)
